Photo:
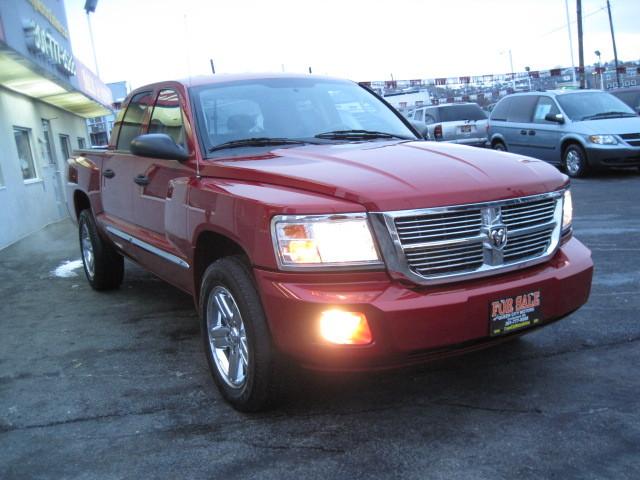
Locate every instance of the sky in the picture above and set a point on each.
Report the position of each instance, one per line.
(143, 41)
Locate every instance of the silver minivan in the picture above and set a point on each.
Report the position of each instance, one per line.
(577, 130)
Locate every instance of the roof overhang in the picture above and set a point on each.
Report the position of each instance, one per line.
(23, 76)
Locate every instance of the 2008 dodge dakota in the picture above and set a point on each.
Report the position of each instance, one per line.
(310, 222)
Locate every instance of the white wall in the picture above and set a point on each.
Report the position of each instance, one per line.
(25, 207)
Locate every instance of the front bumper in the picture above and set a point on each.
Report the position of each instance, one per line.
(613, 156)
(410, 324)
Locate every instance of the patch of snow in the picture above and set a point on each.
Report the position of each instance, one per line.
(67, 269)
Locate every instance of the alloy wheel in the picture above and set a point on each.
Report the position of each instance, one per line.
(227, 337)
(87, 251)
(573, 162)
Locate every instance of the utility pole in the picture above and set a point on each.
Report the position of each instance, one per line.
(573, 63)
(613, 40)
(580, 43)
(213, 68)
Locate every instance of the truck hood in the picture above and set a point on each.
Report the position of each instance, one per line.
(396, 175)
(609, 126)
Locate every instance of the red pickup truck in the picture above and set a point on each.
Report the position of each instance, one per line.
(312, 224)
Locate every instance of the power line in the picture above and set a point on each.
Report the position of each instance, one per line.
(563, 27)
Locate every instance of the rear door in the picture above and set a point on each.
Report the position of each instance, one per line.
(544, 136)
(118, 166)
(516, 128)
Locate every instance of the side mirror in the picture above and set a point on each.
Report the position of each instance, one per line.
(158, 145)
(556, 118)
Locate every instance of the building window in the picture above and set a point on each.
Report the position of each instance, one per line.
(81, 143)
(25, 156)
(65, 147)
(47, 152)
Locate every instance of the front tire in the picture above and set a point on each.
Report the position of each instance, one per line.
(574, 161)
(236, 337)
(103, 265)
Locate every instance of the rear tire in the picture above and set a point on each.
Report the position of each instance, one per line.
(574, 161)
(499, 145)
(237, 341)
(103, 265)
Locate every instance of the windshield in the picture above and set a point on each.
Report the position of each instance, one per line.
(290, 108)
(592, 105)
(455, 113)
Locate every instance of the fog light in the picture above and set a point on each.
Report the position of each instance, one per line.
(345, 328)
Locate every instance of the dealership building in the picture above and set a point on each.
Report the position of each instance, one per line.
(46, 95)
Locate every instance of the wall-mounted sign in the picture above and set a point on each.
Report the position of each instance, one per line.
(40, 41)
(46, 13)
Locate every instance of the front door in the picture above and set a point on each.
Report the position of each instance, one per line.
(545, 140)
(157, 180)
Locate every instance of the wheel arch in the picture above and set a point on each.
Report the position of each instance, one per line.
(80, 202)
(569, 140)
(497, 137)
(209, 246)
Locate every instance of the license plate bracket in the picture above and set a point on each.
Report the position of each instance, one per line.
(514, 313)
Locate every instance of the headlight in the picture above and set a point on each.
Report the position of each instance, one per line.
(321, 241)
(567, 211)
(603, 139)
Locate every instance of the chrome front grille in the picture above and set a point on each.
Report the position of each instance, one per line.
(445, 259)
(443, 244)
(438, 227)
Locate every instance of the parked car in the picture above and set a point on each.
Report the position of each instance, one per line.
(629, 95)
(577, 130)
(313, 226)
(464, 123)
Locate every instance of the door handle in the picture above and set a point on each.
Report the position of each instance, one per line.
(141, 180)
(523, 132)
(532, 132)
(108, 173)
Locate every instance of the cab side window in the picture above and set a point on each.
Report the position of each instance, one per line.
(167, 117)
(418, 115)
(544, 107)
(131, 123)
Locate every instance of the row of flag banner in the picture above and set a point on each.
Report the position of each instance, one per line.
(493, 78)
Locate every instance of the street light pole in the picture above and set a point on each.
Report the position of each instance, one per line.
(573, 63)
(597, 52)
(513, 77)
(89, 7)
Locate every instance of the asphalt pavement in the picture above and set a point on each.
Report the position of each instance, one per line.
(115, 385)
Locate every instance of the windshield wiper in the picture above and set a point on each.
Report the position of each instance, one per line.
(358, 134)
(257, 142)
(607, 114)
